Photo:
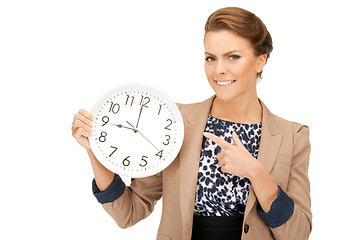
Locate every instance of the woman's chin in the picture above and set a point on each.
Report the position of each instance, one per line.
(225, 96)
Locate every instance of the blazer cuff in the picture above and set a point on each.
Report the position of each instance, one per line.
(280, 211)
(111, 193)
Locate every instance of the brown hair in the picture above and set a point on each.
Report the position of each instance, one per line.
(243, 23)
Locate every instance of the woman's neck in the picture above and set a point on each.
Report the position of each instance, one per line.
(240, 110)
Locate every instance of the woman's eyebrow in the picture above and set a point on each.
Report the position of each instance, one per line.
(225, 53)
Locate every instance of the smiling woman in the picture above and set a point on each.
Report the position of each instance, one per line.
(237, 45)
(242, 171)
(232, 65)
(244, 24)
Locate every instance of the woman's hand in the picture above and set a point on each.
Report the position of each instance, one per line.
(82, 127)
(234, 159)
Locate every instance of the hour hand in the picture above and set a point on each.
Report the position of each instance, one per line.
(121, 126)
(135, 130)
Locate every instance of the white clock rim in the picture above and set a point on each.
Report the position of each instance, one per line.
(178, 117)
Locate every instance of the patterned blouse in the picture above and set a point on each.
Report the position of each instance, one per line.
(218, 193)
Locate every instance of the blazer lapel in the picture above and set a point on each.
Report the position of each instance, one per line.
(189, 156)
(270, 141)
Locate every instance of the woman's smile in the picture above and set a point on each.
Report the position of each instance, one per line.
(223, 84)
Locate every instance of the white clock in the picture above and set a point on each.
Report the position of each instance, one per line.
(138, 130)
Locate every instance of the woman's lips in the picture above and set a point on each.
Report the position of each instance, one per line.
(225, 83)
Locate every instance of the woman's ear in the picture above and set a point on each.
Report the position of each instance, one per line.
(260, 62)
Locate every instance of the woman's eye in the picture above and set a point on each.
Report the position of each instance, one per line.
(209, 59)
(234, 57)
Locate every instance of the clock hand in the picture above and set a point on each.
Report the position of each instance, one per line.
(139, 116)
(135, 130)
(121, 126)
(148, 141)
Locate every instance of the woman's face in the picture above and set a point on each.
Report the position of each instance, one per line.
(229, 57)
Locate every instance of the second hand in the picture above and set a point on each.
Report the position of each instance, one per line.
(135, 130)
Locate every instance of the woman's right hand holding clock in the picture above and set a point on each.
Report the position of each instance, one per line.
(82, 128)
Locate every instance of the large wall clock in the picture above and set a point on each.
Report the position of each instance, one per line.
(138, 130)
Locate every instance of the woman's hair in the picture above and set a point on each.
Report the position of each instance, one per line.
(243, 23)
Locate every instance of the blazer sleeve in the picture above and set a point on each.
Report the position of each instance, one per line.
(137, 200)
(299, 225)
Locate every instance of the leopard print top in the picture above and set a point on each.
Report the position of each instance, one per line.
(218, 193)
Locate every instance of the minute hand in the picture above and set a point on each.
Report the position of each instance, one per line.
(139, 116)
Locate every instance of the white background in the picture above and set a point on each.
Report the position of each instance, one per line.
(59, 56)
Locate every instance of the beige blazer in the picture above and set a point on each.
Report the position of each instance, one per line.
(284, 150)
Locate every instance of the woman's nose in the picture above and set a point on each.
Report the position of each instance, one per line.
(221, 67)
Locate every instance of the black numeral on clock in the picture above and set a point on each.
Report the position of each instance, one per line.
(144, 101)
(113, 151)
(167, 140)
(102, 137)
(126, 161)
(167, 127)
(142, 159)
(159, 154)
(114, 107)
(127, 98)
(105, 119)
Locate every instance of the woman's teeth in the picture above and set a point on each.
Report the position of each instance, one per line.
(225, 83)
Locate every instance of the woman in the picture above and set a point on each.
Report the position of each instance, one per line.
(240, 188)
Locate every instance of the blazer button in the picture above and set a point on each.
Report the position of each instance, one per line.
(246, 228)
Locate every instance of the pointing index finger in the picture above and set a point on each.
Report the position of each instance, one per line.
(221, 142)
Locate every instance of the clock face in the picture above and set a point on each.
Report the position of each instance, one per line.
(138, 130)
